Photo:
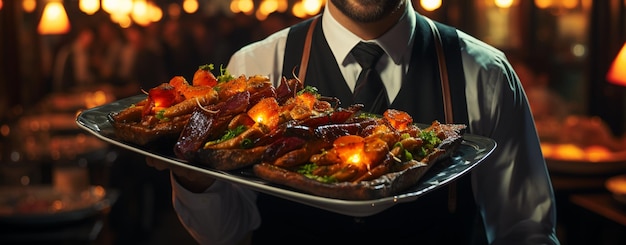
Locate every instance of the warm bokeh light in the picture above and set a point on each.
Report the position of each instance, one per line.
(190, 6)
(260, 15)
(430, 5)
(503, 3)
(124, 7)
(283, 5)
(547, 149)
(268, 6)
(96, 98)
(586, 4)
(140, 14)
(543, 4)
(89, 6)
(597, 153)
(119, 7)
(312, 7)
(109, 6)
(245, 6)
(1, 3)
(54, 20)
(234, 6)
(57, 205)
(569, 152)
(579, 50)
(570, 4)
(29, 5)
(298, 10)
(242, 6)
(173, 10)
(123, 21)
(154, 12)
(617, 72)
(99, 191)
(5, 130)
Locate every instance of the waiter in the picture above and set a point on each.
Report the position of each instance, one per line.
(508, 199)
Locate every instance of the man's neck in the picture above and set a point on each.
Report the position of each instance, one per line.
(367, 31)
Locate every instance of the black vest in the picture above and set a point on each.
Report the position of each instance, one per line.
(424, 221)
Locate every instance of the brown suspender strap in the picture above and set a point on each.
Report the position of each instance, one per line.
(304, 63)
(447, 101)
(443, 73)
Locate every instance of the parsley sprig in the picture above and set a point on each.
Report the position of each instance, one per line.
(307, 171)
(224, 76)
(231, 133)
(311, 90)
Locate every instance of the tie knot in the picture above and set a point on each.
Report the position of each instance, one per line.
(367, 54)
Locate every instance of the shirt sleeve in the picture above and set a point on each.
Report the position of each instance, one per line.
(261, 58)
(223, 214)
(512, 187)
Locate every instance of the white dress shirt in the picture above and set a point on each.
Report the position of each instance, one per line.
(512, 187)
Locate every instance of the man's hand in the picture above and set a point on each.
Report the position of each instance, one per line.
(193, 181)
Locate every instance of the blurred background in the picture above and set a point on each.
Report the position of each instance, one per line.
(59, 184)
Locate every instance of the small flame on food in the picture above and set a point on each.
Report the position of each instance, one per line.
(350, 149)
(159, 102)
(355, 158)
(163, 96)
(266, 112)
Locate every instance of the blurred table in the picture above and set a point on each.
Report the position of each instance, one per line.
(577, 183)
(586, 211)
(86, 231)
(88, 225)
(602, 204)
(594, 218)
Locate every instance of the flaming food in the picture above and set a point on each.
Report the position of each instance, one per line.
(292, 135)
(379, 160)
(298, 138)
(166, 110)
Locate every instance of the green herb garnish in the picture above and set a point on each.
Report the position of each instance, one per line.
(405, 154)
(224, 74)
(311, 90)
(307, 171)
(408, 156)
(160, 115)
(430, 139)
(231, 133)
(247, 144)
(207, 67)
(421, 152)
(368, 115)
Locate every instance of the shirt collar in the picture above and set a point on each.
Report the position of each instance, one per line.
(395, 42)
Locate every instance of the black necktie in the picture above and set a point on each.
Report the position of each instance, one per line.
(369, 89)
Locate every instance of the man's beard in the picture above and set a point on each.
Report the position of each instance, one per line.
(366, 11)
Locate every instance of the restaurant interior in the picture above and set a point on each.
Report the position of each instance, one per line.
(62, 185)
